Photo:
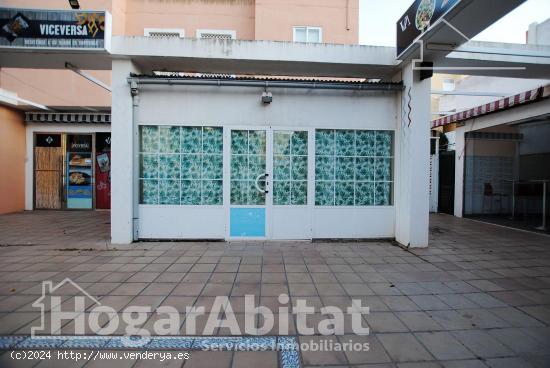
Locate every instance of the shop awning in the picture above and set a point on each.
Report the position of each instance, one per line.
(495, 106)
(68, 118)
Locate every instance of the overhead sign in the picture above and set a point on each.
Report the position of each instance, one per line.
(52, 29)
(418, 18)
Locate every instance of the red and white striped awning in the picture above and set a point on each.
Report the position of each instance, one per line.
(499, 105)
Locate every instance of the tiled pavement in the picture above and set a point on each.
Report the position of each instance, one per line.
(479, 296)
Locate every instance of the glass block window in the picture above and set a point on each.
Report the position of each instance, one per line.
(248, 149)
(181, 165)
(289, 168)
(353, 167)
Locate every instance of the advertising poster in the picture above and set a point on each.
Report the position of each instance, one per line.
(103, 171)
(79, 172)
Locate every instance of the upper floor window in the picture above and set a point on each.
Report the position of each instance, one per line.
(164, 32)
(308, 34)
(221, 34)
(448, 85)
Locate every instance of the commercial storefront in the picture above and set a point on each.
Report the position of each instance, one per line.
(501, 161)
(312, 163)
(70, 160)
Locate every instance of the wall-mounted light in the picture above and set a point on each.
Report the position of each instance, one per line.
(74, 4)
(267, 97)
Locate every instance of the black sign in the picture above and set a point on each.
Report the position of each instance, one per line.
(79, 143)
(52, 29)
(48, 140)
(418, 18)
(103, 142)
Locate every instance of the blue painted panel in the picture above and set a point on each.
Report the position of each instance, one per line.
(247, 222)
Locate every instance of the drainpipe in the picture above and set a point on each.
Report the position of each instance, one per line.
(134, 91)
(347, 15)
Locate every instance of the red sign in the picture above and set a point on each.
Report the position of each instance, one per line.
(103, 181)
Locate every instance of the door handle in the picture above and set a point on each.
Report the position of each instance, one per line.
(257, 183)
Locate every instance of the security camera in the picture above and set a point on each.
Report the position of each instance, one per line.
(267, 97)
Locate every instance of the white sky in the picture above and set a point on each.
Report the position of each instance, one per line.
(377, 21)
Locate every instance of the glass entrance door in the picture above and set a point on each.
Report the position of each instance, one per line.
(269, 184)
(249, 183)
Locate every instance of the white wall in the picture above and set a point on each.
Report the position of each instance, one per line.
(290, 107)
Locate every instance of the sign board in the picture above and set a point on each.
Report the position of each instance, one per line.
(29, 28)
(418, 18)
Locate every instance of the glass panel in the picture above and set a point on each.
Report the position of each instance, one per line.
(384, 144)
(212, 167)
(364, 194)
(364, 168)
(281, 168)
(313, 35)
(254, 196)
(149, 191)
(239, 142)
(169, 139)
(300, 34)
(345, 143)
(290, 163)
(256, 142)
(247, 163)
(365, 142)
(281, 143)
(149, 139)
(191, 139)
(281, 192)
(383, 194)
(212, 140)
(191, 166)
(324, 142)
(239, 167)
(345, 168)
(149, 166)
(239, 192)
(324, 168)
(187, 160)
(299, 167)
(383, 169)
(355, 166)
(299, 143)
(344, 193)
(169, 192)
(324, 193)
(169, 166)
(299, 193)
(212, 192)
(191, 192)
(256, 166)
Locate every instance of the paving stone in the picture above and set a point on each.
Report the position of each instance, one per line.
(482, 344)
(443, 346)
(403, 347)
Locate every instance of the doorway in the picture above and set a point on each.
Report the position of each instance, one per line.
(48, 171)
(269, 183)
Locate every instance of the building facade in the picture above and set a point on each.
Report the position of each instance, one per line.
(64, 91)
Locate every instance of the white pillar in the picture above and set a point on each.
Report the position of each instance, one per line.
(412, 197)
(122, 145)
